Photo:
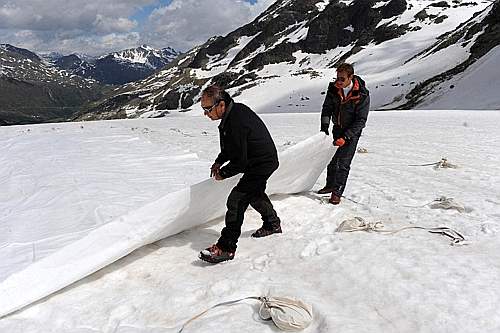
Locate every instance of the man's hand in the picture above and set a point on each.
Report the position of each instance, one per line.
(214, 170)
(324, 129)
(218, 176)
(339, 142)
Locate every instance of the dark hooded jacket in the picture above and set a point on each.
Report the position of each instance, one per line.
(348, 113)
(245, 142)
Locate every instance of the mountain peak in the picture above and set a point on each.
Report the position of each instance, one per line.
(23, 52)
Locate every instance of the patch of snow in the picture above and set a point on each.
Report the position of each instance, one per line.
(322, 5)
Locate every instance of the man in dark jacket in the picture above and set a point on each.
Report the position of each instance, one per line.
(248, 148)
(346, 104)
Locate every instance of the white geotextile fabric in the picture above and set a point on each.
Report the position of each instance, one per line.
(288, 314)
(300, 167)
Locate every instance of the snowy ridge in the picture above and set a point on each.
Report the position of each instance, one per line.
(146, 55)
(118, 238)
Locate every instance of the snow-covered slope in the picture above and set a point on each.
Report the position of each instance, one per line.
(357, 282)
(286, 57)
(477, 87)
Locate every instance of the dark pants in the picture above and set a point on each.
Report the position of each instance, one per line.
(339, 167)
(249, 191)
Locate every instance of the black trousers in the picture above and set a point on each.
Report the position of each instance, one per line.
(340, 165)
(249, 191)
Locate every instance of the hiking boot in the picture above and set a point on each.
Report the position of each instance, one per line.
(263, 232)
(334, 199)
(325, 190)
(214, 254)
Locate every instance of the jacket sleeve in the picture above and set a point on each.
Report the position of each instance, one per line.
(239, 163)
(361, 116)
(221, 159)
(328, 105)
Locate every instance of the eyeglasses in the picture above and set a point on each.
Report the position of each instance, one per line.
(209, 109)
(341, 79)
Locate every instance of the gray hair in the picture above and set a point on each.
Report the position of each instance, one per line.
(216, 93)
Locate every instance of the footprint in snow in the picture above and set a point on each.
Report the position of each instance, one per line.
(320, 247)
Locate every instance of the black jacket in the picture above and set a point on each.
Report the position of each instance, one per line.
(348, 113)
(246, 143)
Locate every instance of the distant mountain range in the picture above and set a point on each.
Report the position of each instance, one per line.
(31, 91)
(116, 68)
(54, 87)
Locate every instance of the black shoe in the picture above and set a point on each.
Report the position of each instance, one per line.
(215, 255)
(263, 232)
(325, 190)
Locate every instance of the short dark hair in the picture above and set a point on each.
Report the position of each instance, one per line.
(216, 93)
(345, 67)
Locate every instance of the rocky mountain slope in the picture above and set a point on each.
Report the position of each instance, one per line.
(32, 91)
(284, 59)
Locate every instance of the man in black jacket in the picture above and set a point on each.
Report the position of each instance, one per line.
(346, 104)
(248, 148)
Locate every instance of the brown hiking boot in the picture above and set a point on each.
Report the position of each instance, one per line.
(263, 232)
(334, 199)
(214, 254)
(325, 190)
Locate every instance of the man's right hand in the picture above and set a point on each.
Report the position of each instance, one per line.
(214, 169)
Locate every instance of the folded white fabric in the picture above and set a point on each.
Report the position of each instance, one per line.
(288, 314)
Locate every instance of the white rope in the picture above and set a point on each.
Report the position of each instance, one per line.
(359, 224)
(443, 164)
(288, 314)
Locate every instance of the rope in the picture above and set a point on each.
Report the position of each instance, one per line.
(427, 164)
(213, 307)
(443, 164)
(286, 313)
(349, 226)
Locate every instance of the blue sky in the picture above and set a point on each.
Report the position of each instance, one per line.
(143, 13)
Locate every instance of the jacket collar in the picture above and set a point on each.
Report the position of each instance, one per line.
(229, 107)
(353, 95)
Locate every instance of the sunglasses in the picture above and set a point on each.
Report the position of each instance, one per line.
(341, 79)
(207, 109)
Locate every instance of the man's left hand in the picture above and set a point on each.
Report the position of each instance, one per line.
(339, 142)
(217, 176)
(214, 169)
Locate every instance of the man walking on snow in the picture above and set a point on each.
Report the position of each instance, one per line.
(346, 104)
(248, 148)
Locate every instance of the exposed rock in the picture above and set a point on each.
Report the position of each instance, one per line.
(422, 15)
(387, 32)
(442, 4)
(168, 102)
(280, 53)
(440, 19)
(393, 8)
